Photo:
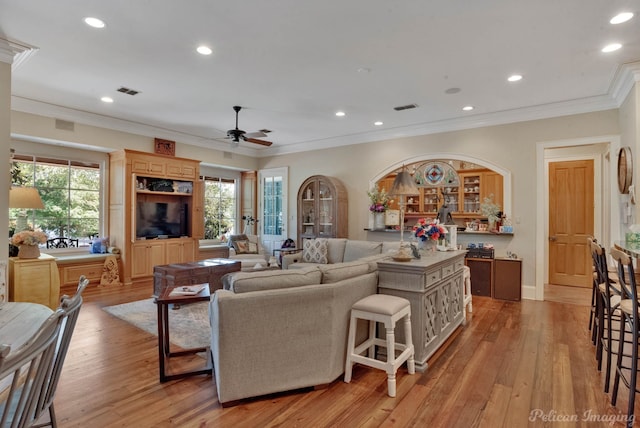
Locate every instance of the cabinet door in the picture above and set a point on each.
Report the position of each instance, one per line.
(146, 255)
(307, 211)
(469, 198)
(431, 320)
(181, 170)
(430, 201)
(481, 276)
(197, 214)
(492, 184)
(148, 165)
(179, 251)
(326, 210)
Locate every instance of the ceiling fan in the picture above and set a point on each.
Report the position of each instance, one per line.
(237, 134)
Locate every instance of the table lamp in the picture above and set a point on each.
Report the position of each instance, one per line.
(24, 198)
(403, 185)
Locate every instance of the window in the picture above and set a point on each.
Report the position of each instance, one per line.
(70, 192)
(219, 207)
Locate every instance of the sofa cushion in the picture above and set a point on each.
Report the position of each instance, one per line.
(315, 251)
(338, 271)
(335, 249)
(355, 250)
(244, 282)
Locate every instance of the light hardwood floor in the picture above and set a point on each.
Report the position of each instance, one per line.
(510, 358)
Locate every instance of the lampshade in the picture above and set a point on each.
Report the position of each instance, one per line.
(403, 184)
(25, 197)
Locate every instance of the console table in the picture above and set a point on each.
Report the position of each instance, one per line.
(435, 287)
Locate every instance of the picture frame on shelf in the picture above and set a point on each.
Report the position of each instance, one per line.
(392, 218)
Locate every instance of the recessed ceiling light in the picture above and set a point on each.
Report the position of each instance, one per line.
(364, 70)
(451, 91)
(204, 50)
(106, 99)
(514, 78)
(378, 123)
(611, 48)
(621, 17)
(467, 108)
(340, 113)
(94, 22)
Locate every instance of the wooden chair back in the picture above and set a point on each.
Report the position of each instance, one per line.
(28, 369)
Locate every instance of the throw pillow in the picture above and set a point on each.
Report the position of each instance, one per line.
(253, 248)
(240, 237)
(241, 247)
(315, 251)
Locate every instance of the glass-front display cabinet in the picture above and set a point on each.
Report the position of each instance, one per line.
(322, 209)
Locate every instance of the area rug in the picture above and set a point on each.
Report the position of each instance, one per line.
(188, 326)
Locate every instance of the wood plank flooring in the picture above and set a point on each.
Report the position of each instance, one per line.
(509, 360)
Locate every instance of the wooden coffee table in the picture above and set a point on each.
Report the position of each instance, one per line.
(163, 300)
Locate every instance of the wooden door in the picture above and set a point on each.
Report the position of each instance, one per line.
(570, 222)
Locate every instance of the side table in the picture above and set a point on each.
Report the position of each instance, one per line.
(164, 346)
(34, 280)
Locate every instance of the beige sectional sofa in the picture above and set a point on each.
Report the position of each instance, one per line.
(322, 251)
(276, 330)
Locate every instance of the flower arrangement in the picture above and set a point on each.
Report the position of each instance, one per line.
(429, 229)
(490, 209)
(379, 200)
(29, 237)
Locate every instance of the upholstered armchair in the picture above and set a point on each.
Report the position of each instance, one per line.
(249, 250)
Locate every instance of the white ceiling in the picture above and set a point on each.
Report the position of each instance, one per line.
(292, 64)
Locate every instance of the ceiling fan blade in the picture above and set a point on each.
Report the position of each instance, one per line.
(256, 141)
(257, 134)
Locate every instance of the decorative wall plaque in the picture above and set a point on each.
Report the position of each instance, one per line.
(164, 147)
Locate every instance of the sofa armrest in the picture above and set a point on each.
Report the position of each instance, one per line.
(291, 258)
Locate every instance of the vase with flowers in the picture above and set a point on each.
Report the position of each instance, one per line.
(28, 241)
(429, 232)
(379, 203)
(492, 211)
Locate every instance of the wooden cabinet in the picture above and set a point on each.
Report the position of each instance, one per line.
(481, 276)
(154, 196)
(463, 200)
(70, 272)
(322, 209)
(507, 279)
(434, 287)
(145, 255)
(34, 280)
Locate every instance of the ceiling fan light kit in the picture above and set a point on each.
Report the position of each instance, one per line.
(237, 134)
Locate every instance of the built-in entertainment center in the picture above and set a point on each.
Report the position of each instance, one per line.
(156, 212)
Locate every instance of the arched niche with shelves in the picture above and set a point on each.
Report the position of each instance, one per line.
(477, 179)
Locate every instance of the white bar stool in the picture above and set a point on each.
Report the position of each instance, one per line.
(466, 274)
(388, 310)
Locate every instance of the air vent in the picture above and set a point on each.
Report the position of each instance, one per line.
(65, 125)
(128, 91)
(406, 107)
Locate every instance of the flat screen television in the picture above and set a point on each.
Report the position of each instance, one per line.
(165, 219)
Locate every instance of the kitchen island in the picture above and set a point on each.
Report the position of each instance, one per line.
(433, 285)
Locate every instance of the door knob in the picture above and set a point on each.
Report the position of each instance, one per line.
(553, 238)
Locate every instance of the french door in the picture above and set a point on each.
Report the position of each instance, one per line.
(272, 206)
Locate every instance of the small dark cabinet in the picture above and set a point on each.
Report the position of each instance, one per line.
(481, 276)
(507, 279)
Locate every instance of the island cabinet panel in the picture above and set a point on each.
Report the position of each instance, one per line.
(434, 287)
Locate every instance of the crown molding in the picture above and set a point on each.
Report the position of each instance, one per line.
(622, 82)
(15, 53)
(30, 106)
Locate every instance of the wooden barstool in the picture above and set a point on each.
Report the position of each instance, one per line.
(388, 310)
(629, 320)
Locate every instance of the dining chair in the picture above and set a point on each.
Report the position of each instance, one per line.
(608, 313)
(71, 309)
(627, 365)
(26, 371)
